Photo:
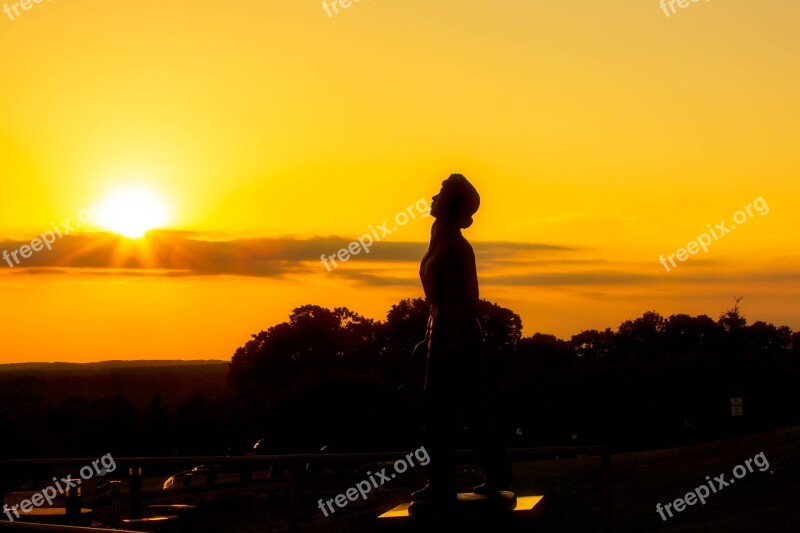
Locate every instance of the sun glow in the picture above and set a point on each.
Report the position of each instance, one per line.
(132, 212)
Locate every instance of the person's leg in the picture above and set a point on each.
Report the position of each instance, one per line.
(441, 446)
(438, 413)
(487, 435)
(492, 454)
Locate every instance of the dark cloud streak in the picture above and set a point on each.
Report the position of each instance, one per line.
(169, 253)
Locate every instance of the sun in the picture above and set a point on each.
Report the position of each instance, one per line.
(132, 212)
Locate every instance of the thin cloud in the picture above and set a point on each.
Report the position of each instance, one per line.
(182, 253)
(186, 254)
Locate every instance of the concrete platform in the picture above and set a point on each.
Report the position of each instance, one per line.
(471, 512)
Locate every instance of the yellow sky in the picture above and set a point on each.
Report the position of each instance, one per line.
(274, 133)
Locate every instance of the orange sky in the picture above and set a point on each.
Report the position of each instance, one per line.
(258, 136)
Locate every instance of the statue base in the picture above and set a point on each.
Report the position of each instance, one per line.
(467, 502)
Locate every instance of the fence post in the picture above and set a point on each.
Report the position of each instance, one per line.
(293, 495)
(135, 510)
(116, 510)
(73, 510)
(607, 495)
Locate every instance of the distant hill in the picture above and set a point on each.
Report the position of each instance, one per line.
(138, 381)
(59, 367)
(130, 407)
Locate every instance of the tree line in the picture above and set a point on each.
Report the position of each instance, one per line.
(333, 378)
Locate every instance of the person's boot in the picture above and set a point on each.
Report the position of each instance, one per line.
(434, 494)
(497, 478)
(498, 495)
(492, 487)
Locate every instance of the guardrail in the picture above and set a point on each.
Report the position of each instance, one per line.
(23, 526)
(294, 463)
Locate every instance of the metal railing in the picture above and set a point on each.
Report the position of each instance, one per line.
(26, 526)
(295, 464)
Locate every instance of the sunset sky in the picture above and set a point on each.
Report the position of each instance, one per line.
(257, 136)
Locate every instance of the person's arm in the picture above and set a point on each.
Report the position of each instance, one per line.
(465, 289)
(421, 349)
(472, 291)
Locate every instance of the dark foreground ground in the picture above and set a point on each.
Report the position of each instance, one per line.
(759, 501)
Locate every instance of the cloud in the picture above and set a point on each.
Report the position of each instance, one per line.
(181, 253)
(572, 278)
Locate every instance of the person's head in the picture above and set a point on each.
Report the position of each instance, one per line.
(456, 202)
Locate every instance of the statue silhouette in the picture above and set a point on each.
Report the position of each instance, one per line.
(455, 377)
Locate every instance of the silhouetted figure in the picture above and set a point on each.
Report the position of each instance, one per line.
(455, 378)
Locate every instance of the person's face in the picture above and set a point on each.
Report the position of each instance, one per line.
(437, 203)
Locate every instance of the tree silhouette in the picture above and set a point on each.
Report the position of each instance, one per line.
(732, 319)
(652, 381)
(334, 377)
